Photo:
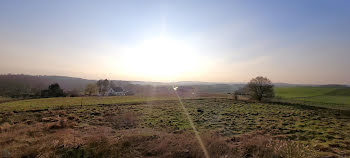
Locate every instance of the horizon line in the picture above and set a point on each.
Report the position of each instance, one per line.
(166, 82)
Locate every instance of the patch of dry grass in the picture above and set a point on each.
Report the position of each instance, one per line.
(37, 140)
(124, 120)
(155, 130)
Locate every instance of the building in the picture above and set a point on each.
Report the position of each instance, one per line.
(115, 91)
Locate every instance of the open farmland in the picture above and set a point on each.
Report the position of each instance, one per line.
(174, 79)
(5, 99)
(48, 103)
(139, 127)
(328, 97)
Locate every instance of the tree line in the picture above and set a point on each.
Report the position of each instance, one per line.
(100, 87)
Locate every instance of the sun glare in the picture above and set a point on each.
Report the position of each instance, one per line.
(161, 58)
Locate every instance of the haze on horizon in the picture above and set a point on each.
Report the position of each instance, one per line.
(162, 40)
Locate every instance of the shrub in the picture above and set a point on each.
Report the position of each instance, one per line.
(54, 90)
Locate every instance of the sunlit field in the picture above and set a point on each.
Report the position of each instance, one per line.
(334, 98)
(301, 92)
(133, 126)
(47, 103)
(5, 99)
(174, 79)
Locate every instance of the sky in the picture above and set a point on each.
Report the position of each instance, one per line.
(178, 40)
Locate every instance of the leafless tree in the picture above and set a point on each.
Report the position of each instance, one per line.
(260, 88)
(91, 89)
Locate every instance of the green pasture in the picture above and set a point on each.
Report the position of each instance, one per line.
(46, 103)
(5, 99)
(336, 98)
(301, 92)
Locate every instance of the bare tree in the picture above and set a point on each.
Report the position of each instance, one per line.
(103, 86)
(91, 89)
(260, 88)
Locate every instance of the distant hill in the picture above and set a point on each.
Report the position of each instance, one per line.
(179, 83)
(11, 84)
(145, 82)
(310, 85)
(68, 83)
(218, 88)
(184, 83)
(335, 86)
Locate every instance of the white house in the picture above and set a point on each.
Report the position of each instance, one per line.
(115, 91)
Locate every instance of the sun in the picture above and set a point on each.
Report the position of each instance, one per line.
(160, 58)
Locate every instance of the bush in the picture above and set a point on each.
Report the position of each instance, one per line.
(54, 90)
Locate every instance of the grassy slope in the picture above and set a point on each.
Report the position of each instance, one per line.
(321, 129)
(338, 98)
(6, 99)
(45, 103)
(340, 92)
(300, 92)
(3, 99)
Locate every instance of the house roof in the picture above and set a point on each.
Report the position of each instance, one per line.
(118, 89)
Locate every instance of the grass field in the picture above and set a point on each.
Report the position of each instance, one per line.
(301, 92)
(5, 99)
(157, 127)
(335, 98)
(47, 103)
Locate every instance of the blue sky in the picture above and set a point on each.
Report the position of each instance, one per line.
(222, 41)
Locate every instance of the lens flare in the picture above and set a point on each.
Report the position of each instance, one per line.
(198, 137)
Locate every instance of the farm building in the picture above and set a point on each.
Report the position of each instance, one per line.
(115, 91)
